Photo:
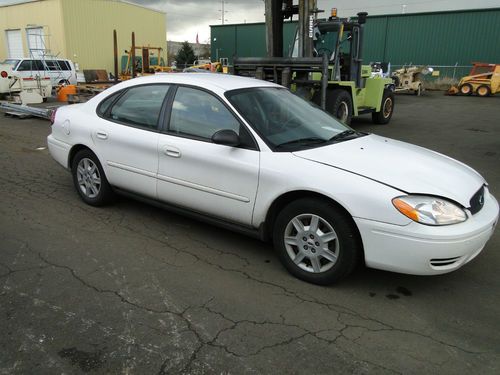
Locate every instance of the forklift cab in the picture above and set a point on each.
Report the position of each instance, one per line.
(342, 39)
(339, 39)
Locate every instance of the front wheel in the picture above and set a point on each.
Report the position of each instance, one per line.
(89, 179)
(466, 89)
(386, 109)
(316, 241)
(339, 104)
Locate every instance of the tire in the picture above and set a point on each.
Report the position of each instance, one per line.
(339, 104)
(386, 109)
(418, 91)
(396, 80)
(483, 91)
(334, 233)
(466, 89)
(89, 179)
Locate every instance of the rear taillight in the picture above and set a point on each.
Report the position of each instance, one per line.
(4, 74)
(53, 116)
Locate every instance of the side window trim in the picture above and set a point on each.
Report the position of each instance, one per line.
(168, 116)
(166, 112)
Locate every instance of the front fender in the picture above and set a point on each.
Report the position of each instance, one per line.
(360, 196)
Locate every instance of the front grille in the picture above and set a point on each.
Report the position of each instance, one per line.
(441, 262)
(477, 201)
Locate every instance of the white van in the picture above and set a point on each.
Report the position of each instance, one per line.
(60, 71)
(29, 89)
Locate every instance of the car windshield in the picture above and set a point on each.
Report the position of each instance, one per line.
(12, 62)
(287, 122)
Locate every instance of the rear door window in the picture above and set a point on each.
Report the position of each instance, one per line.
(139, 106)
(54, 65)
(64, 65)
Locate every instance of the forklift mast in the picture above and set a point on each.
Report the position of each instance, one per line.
(314, 37)
(279, 10)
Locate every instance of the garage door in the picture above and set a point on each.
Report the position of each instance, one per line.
(15, 44)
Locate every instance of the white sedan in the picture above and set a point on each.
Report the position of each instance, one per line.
(251, 156)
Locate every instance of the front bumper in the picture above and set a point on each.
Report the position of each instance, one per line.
(427, 250)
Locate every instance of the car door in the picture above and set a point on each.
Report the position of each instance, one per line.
(126, 137)
(194, 172)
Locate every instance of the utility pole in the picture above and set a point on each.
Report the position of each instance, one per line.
(222, 11)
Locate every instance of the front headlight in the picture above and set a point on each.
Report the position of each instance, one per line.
(429, 210)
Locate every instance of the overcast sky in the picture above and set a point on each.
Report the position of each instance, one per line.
(186, 18)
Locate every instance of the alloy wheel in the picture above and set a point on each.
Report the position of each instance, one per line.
(89, 179)
(387, 107)
(343, 112)
(311, 243)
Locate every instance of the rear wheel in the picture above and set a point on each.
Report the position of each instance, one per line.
(483, 90)
(339, 104)
(466, 89)
(89, 179)
(316, 241)
(418, 91)
(386, 108)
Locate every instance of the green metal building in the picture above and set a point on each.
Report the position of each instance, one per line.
(437, 39)
(245, 40)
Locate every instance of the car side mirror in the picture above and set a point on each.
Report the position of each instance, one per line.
(226, 137)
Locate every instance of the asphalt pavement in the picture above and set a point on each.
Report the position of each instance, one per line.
(133, 289)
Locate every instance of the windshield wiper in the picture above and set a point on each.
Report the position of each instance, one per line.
(345, 135)
(302, 142)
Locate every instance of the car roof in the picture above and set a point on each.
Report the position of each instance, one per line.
(212, 81)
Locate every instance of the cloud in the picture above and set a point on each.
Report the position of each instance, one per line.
(185, 19)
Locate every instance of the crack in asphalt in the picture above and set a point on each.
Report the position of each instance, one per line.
(214, 342)
(117, 219)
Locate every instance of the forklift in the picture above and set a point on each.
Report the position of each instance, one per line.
(325, 63)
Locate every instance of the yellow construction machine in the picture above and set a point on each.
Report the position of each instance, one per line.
(409, 79)
(483, 80)
(148, 60)
(207, 65)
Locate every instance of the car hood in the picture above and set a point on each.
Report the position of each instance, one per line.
(409, 168)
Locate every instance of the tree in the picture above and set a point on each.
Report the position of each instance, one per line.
(205, 51)
(186, 55)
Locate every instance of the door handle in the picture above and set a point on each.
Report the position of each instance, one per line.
(172, 152)
(102, 135)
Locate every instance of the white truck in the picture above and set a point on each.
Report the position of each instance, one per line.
(29, 89)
